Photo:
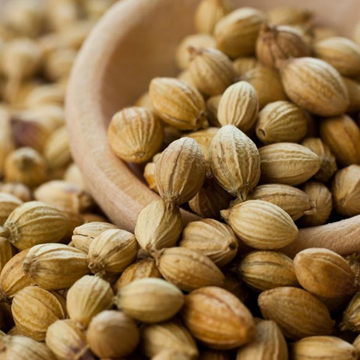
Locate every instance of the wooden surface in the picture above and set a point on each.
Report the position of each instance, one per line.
(134, 42)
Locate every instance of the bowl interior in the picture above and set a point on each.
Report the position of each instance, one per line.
(134, 42)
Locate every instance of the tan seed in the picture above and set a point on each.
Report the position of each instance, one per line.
(178, 104)
(211, 70)
(234, 161)
(180, 171)
(112, 251)
(268, 344)
(217, 318)
(135, 134)
(86, 298)
(328, 165)
(323, 347)
(287, 163)
(35, 309)
(211, 238)
(106, 329)
(324, 273)
(264, 270)
(188, 269)
(294, 201)
(239, 106)
(342, 135)
(150, 300)
(298, 313)
(170, 335)
(158, 226)
(314, 85)
(346, 191)
(261, 225)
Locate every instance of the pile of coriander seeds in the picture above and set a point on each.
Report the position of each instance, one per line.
(258, 135)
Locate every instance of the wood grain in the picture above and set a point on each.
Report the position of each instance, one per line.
(134, 42)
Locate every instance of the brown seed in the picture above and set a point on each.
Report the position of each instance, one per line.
(287, 163)
(86, 298)
(158, 226)
(135, 134)
(180, 171)
(217, 318)
(13, 278)
(211, 238)
(208, 13)
(6, 252)
(27, 166)
(264, 270)
(150, 300)
(234, 161)
(239, 106)
(178, 104)
(351, 315)
(298, 313)
(267, 84)
(342, 53)
(281, 121)
(234, 285)
(35, 309)
(342, 135)
(55, 266)
(314, 85)
(145, 268)
(260, 224)
(170, 335)
(323, 347)
(294, 201)
(34, 223)
(268, 344)
(210, 199)
(321, 196)
(23, 348)
(353, 89)
(237, 32)
(188, 269)
(324, 273)
(106, 329)
(280, 42)
(29, 131)
(211, 70)
(112, 252)
(346, 191)
(328, 165)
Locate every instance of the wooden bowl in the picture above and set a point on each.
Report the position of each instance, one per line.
(134, 42)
